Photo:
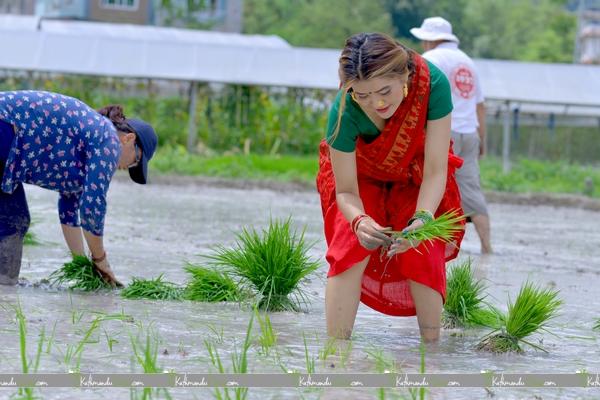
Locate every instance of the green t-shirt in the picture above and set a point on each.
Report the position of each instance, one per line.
(356, 123)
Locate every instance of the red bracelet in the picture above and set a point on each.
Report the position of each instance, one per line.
(356, 221)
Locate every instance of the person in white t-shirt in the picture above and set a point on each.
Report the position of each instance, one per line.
(468, 116)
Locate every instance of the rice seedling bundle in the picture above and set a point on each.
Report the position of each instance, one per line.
(79, 274)
(444, 228)
(465, 305)
(153, 289)
(30, 239)
(210, 285)
(530, 313)
(272, 264)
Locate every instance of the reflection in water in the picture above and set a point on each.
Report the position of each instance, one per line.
(158, 228)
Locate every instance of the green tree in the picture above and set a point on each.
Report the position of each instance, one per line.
(315, 23)
(533, 30)
(183, 13)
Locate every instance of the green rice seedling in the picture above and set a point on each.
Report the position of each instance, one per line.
(79, 274)
(76, 316)
(240, 360)
(383, 364)
(239, 364)
(597, 325)
(51, 338)
(210, 285)
(146, 354)
(153, 289)
(530, 312)
(310, 361)
(345, 353)
(465, 305)
(27, 365)
(218, 333)
(334, 347)
(30, 238)
(109, 340)
(215, 359)
(268, 338)
(274, 264)
(114, 317)
(444, 227)
(75, 352)
(421, 391)
(329, 349)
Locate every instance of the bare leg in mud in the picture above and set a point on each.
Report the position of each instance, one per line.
(342, 296)
(11, 250)
(428, 304)
(14, 222)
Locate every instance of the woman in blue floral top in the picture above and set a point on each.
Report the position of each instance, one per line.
(60, 143)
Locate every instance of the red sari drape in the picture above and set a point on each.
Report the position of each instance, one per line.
(390, 172)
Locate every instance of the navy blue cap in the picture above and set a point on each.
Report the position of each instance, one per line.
(147, 140)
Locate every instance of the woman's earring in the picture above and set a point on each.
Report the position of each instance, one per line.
(405, 90)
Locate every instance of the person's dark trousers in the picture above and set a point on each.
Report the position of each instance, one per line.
(14, 217)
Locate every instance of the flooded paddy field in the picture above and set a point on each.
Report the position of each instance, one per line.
(157, 229)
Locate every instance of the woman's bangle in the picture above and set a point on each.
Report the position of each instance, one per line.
(424, 215)
(356, 221)
(99, 259)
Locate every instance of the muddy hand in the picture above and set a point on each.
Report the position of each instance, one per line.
(401, 244)
(107, 274)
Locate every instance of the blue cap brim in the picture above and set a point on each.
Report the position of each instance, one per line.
(147, 140)
(139, 173)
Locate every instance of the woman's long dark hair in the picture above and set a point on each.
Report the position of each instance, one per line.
(366, 56)
(114, 112)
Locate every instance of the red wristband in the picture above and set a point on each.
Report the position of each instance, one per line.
(356, 221)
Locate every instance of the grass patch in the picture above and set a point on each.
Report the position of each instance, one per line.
(530, 313)
(79, 274)
(526, 175)
(153, 289)
(286, 168)
(272, 264)
(465, 305)
(597, 325)
(210, 285)
(535, 176)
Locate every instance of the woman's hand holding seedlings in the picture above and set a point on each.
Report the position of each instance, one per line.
(400, 245)
(371, 235)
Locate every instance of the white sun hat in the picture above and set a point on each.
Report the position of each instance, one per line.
(434, 28)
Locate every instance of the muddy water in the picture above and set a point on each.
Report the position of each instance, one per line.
(157, 229)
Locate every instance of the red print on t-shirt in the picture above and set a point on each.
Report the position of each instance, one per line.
(463, 81)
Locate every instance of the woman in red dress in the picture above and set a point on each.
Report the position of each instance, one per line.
(386, 165)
